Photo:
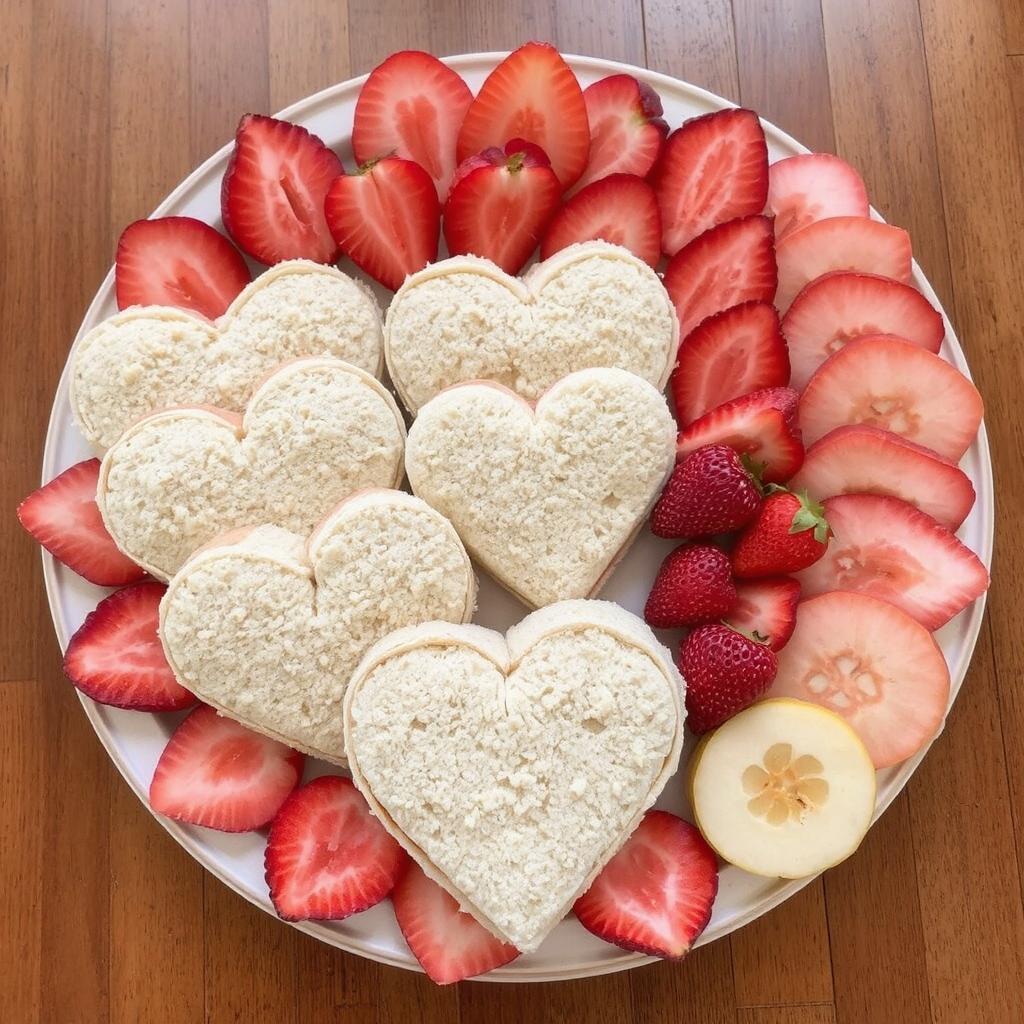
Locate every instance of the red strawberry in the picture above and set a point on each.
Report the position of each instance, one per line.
(762, 426)
(711, 170)
(532, 94)
(327, 856)
(626, 128)
(725, 672)
(215, 772)
(116, 656)
(729, 355)
(813, 186)
(386, 218)
(788, 534)
(449, 944)
(178, 261)
(766, 609)
(710, 491)
(499, 206)
(656, 894)
(412, 106)
(272, 196)
(693, 585)
(620, 208)
(730, 264)
(64, 517)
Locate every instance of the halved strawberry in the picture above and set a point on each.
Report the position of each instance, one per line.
(178, 261)
(887, 382)
(813, 186)
(728, 355)
(116, 656)
(762, 425)
(500, 204)
(730, 264)
(217, 773)
(838, 307)
(272, 196)
(386, 218)
(327, 856)
(532, 94)
(656, 894)
(888, 549)
(626, 128)
(872, 664)
(449, 944)
(619, 208)
(866, 460)
(63, 516)
(767, 608)
(840, 243)
(412, 106)
(711, 170)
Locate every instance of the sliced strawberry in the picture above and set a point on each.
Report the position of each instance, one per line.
(725, 266)
(449, 944)
(217, 773)
(626, 128)
(840, 243)
(766, 608)
(116, 656)
(889, 383)
(872, 664)
(386, 218)
(885, 548)
(813, 186)
(64, 517)
(838, 307)
(412, 106)
(500, 204)
(178, 261)
(656, 894)
(728, 355)
(711, 170)
(272, 196)
(327, 856)
(761, 425)
(619, 208)
(866, 460)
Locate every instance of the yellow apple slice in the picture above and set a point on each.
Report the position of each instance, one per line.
(783, 789)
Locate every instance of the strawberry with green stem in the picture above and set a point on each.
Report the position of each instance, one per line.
(788, 533)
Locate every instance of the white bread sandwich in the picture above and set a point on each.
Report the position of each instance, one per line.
(548, 498)
(150, 357)
(592, 304)
(267, 627)
(315, 431)
(513, 768)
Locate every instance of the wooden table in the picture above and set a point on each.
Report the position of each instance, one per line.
(105, 105)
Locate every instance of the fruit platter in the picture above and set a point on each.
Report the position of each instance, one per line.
(533, 377)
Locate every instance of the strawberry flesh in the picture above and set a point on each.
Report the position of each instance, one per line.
(693, 586)
(810, 187)
(766, 609)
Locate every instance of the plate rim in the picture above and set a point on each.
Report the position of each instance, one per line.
(304, 108)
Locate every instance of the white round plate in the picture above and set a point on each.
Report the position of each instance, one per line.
(134, 741)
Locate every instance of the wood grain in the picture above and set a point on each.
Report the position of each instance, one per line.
(104, 106)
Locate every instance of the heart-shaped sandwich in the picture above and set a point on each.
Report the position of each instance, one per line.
(151, 357)
(512, 768)
(315, 431)
(546, 498)
(268, 627)
(592, 304)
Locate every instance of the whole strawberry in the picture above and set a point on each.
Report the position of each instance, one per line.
(693, 585)
(789, 533)
(725, 672)
(709, 491)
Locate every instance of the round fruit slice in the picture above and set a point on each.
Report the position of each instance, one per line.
(871, 663)
(887, 382)
(811, 187)
(784, 788)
